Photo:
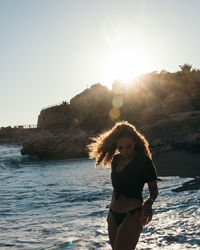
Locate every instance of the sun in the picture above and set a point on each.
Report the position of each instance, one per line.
(125, 66)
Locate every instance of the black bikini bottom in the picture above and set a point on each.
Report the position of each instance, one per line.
(118, 217)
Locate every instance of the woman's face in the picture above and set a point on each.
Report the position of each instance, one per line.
(126, 146)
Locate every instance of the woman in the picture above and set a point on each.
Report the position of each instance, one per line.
(127, 151)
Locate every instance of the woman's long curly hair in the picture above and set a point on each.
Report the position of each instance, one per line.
(103, 147)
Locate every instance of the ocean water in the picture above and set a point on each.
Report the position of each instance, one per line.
(62, 205)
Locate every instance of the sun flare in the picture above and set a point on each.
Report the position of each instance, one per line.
(125, 66)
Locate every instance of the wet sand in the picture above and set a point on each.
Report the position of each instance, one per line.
(179, 163)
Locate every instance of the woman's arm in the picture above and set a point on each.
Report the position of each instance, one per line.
(153, 192)
(147, 206)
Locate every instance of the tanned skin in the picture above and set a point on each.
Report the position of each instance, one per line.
(126, 235)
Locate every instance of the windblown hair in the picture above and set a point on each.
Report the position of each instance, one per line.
(104, 147)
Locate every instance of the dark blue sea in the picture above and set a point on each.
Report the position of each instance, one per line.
(62, 205)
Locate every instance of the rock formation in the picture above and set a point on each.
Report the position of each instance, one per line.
(164, 106)
(189, 185)
(57, 144)
(54, 117)
(88, 110)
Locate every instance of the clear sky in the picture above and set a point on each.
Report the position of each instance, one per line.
(51, 50)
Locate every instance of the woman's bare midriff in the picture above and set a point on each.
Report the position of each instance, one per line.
(124, 204)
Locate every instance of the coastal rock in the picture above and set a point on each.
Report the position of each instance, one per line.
(54, 117)
(91, 108)
(57, 144)
(18, 136)
(177, 132)
(193, 137)
(88, 110)
(176, 102)
(189, 185)
(164, 107)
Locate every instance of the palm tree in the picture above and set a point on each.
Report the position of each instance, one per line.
(186, 67)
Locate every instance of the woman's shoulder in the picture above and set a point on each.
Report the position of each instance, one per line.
(145, 159)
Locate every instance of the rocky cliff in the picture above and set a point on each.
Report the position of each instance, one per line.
(57, 144)
(180, 131)
(54, 117)
(164, 106)
(88, 110)
(151, 97)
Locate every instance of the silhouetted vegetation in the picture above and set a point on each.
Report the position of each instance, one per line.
(163, 93)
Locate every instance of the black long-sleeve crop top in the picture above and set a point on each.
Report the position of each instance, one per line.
(130, 181)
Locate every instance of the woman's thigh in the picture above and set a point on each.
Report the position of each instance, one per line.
(112, 229)
(128, 232)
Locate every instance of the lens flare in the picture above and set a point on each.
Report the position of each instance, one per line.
(114, 113)
(117, 102)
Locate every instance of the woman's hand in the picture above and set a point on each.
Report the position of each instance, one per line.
(146, 215)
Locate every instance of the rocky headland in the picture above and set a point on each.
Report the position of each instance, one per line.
(164, 106)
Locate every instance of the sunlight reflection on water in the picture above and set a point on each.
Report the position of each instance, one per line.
(58, 205)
